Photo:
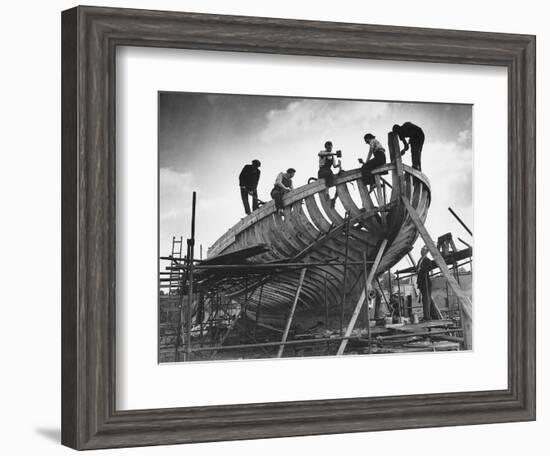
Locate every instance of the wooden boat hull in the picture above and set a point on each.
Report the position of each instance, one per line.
(312, 230)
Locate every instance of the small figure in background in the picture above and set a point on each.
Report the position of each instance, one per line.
(416, 141)
(283, 184)
(248, 182)
(424, 283)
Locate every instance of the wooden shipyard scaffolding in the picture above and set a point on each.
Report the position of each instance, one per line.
(307, 282)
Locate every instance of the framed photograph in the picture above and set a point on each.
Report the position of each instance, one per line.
(279, 228)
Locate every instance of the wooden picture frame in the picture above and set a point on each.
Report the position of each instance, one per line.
(90, 36)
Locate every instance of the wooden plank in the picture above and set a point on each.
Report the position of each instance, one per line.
(362, 297)
(347, 201)
(291, 315)
(393, 142)
(465, 303)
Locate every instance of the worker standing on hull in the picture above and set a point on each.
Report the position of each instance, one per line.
(248, 182)
(378, 154)
(283, 184)
(416, 141)
(326, 163)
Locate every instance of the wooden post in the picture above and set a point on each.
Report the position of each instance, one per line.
(231, 326)
(363, 296)
(326, 312)
(343, 304)
(190, 259)
(380, 198)
(395, 156)
(413, 264)
(398, 295)
(366, 278)
(464, 301)
(258, 310)
(291, 314)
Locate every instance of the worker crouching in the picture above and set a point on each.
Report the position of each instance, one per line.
(283, 184)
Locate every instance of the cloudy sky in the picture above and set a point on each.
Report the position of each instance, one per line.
(204, 141)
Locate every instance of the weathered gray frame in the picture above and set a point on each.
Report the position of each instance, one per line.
(89, 38)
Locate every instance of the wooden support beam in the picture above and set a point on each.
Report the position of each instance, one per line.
(231, 326)
(291, 314)
(258, 306)
(380, 198)
(344, 284)
(465, 303)
(395, 156)
(362, 298)
(366, 278)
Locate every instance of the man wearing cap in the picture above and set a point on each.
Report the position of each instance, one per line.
(248, 181)
(416, 141)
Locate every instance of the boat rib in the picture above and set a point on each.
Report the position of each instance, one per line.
(311, 229)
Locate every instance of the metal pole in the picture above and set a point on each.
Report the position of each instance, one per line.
(460, 221)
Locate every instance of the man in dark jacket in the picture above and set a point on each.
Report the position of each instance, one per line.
(424, 284)
(248, 181)
(416, 141)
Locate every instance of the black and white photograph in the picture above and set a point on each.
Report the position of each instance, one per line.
(297, 227)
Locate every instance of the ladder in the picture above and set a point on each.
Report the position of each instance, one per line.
(177, 250)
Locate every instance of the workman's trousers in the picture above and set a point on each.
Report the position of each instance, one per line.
(428, 306)
(326, 173)
(366, 170)
(245, 193)
(426, 295)
(277, 194)
(416, 144)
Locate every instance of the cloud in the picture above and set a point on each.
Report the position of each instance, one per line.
(174, 188)
(465, 138)
(319, 119)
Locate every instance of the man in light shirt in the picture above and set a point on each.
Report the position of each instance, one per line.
(283, 184)
(326, 163)
(379, 158)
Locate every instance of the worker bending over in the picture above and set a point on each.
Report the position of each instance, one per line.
(416, 141)
(283, 184)
(248, 181)
(378, 154)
